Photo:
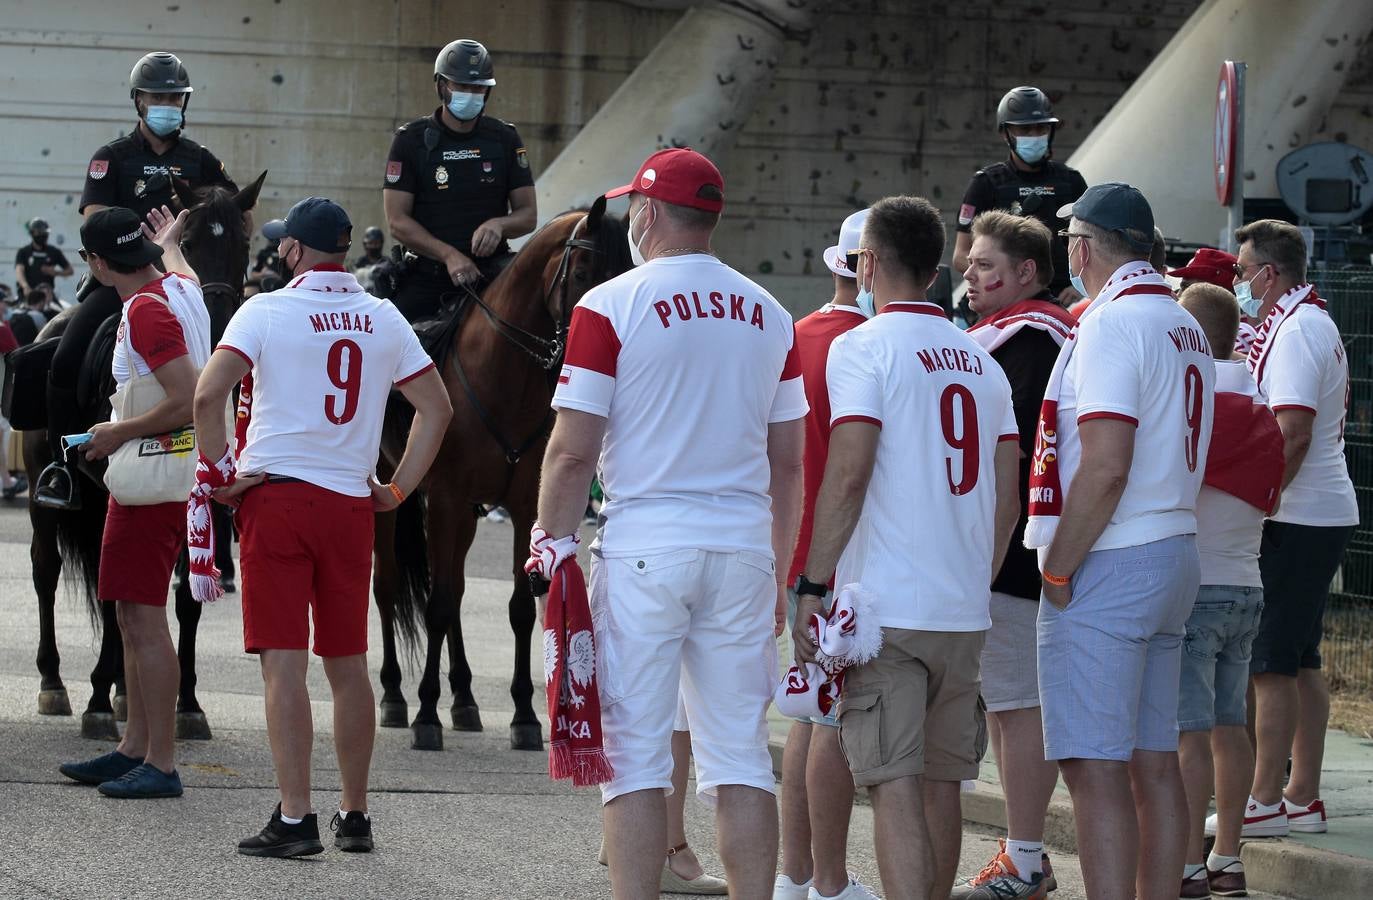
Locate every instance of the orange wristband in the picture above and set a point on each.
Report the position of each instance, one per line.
(1058, 580)
(396, 492)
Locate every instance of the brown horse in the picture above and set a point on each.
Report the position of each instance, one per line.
(216, 245)
(502, 367)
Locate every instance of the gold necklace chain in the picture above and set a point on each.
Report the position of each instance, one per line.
(675, 251)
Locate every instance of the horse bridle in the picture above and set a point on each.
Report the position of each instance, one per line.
(547, 352)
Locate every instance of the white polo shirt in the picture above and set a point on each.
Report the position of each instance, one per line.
(325, 355)
(1142, 359)
(1306, 367)
(926, 536)
(689, 362)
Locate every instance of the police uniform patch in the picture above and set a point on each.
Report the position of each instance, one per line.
(440, 175)
(139, 187)
(486, 167)
(966, 212)
(98, 168)
(393, 168)
(521, 158)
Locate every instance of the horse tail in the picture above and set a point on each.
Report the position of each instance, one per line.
(412, 562)
(79, 533)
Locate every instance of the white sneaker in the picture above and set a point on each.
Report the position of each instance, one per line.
(786, 889)
(1261, 820)
(854, 890)
(1306, 819)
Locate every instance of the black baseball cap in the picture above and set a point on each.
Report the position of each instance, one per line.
(1114, 206)
(317, 223)
(116, 234)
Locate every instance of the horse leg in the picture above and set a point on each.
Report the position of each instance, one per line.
(98, 721)
(191, 724)
(47, 570)
(526, 732)
(385, 578)
(447, 515)
(466, 715)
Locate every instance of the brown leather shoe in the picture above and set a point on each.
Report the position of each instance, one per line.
(1228, 882)
(1195, 888)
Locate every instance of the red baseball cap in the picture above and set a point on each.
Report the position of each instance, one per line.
(676, 175)
(1213, 266)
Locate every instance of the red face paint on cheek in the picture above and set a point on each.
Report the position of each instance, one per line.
(995, 285)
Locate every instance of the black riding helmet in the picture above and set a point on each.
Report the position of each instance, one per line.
(465, 61)
(37, 226)
(160, 72)
(373, 234)
(1025, 105)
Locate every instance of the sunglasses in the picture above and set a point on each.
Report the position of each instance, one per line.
(1241, 269)
(85, 257)
(1065, 234)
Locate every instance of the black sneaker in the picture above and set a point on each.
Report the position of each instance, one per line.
(284, 841)
(352, 833)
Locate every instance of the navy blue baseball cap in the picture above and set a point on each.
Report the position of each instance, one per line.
(1115, 207)
(317, 223)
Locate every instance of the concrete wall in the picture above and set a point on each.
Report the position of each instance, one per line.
(885, 96)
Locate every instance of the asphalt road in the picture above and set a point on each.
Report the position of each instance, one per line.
(475, 820)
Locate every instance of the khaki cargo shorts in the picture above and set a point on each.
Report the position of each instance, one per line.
(915, 709)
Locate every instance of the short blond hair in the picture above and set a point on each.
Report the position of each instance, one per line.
(1020, 238)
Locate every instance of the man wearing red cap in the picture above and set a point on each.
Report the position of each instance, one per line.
(682, 379)
(1211, 266)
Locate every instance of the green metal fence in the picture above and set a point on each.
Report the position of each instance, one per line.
(1348, 646)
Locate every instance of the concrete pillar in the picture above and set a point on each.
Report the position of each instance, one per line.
(1159, 135)
(695, 89)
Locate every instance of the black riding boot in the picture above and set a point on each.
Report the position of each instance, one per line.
(57, 486)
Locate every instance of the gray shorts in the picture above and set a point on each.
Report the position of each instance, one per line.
(1109, 683)
(1010, 677)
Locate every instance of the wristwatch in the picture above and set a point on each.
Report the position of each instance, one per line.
(804, 586)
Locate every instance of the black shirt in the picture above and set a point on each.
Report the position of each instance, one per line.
(119, 171)
(459, 180)
(1027, 359)
(1038, 193)
(33, 259)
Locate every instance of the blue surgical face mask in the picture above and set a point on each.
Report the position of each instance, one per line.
(1032, 149)
(164, 120)
(867, 303)
(464, 106)
(1075, 277)
(1249, 304)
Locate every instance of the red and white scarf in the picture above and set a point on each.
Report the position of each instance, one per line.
(569, 667)
(998, 328)
(1046, 489)
(1287, 304)
(200, 524)
(848, 635)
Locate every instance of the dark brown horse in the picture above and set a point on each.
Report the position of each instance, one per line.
(501, 370)
(216, 245)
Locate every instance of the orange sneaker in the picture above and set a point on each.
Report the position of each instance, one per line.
(999, 880)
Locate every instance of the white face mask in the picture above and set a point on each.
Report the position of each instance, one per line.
(634, 252)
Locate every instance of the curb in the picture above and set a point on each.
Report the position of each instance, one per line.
(1272, 865)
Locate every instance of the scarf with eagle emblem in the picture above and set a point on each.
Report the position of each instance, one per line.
(569, 666)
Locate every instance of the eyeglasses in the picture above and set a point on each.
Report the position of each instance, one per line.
(1241, 268)
(1065, 234)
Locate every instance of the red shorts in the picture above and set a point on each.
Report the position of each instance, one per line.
(138, 551)
(306, 553)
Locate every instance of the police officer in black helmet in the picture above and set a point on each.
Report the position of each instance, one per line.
(37, 262)
(458, 186)
(133, 171)
(1028, 183)
(373, 240)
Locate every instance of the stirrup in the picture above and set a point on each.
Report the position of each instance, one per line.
(56, 488)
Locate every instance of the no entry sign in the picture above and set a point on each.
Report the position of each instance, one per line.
(1227, 117)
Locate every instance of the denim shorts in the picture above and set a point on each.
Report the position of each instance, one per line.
(1109, 663)
(831, 720)
(1215, 658)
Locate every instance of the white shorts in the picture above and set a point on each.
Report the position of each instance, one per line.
(692, 623)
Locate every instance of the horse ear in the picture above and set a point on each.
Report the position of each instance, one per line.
(184, 192)
(593, 218)
(246, 199)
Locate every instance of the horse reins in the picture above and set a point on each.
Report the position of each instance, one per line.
(546, 352)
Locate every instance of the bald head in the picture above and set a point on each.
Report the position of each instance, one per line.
(1218, 314)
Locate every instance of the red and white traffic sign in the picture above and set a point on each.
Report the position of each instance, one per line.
(1227, 117)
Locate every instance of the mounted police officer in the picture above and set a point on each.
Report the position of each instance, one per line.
(135, 172)
(1028, 183)
(458, 186)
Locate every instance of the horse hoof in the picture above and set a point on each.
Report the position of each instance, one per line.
(394, 714)
(121, 708)
(192, 726)
(526, 736)
(54, 703)
(99, 726)
(466, 718)
(426, 736)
